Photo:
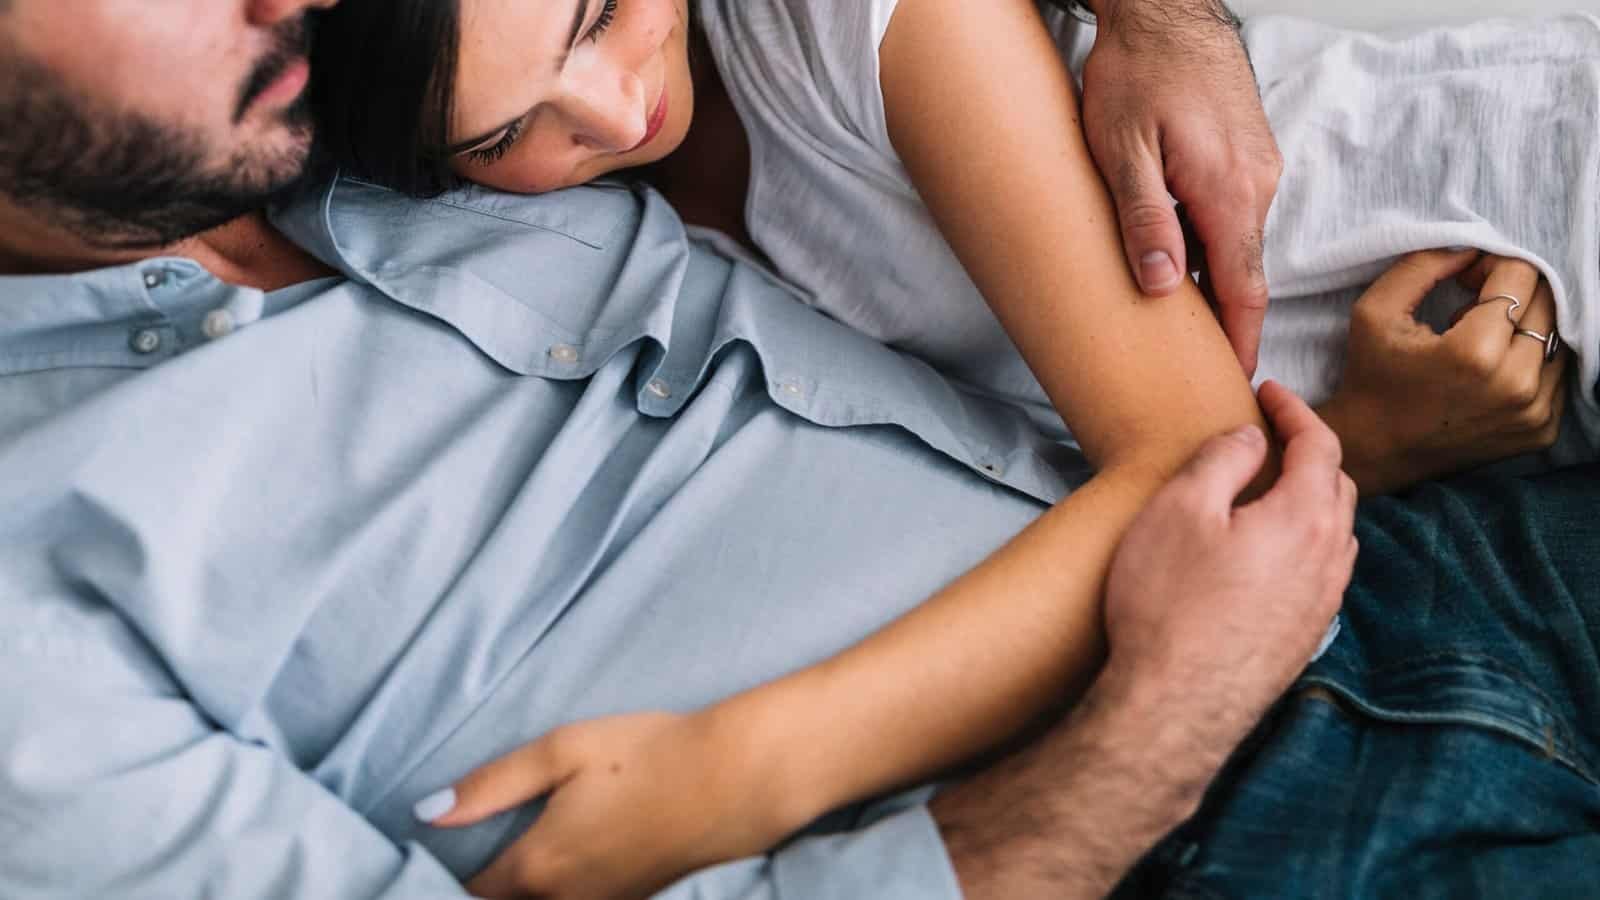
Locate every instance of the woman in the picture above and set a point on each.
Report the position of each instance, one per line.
(537, 96)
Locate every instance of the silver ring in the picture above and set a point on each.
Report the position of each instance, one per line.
(1515, 305)
(1551, 341)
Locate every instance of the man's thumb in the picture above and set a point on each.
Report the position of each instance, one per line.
(1225, 465)
(1151, 235)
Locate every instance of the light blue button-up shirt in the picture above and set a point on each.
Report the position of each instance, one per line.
(274, 566)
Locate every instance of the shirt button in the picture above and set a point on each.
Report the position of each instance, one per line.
(153, 280)
(145, 341)
(217, 324)
(564, 353)
(791, 389)
(659, 388)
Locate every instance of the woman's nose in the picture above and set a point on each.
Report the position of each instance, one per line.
(609, 115)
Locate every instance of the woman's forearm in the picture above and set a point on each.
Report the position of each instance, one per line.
(1019, 634)
(998, 154)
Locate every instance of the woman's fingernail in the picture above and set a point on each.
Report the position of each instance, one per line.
(435, 805)
(1157, 271)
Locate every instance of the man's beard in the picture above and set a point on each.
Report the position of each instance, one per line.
(122, 180)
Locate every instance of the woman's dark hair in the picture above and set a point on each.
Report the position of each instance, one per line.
(383, 77)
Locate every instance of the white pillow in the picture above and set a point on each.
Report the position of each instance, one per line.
(1380, 14)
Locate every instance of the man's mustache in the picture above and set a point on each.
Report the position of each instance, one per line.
(292, 43)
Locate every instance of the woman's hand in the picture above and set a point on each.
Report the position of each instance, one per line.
(635, 802)
(1415, 405)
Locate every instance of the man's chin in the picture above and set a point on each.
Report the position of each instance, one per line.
(151, 223)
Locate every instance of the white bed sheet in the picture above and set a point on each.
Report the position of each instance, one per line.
(1386, 14)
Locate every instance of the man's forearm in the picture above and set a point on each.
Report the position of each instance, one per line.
(1110, 13)
(1070, 814)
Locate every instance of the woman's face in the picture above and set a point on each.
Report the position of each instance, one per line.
(554, 93)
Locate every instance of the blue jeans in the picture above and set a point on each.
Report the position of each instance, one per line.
(1448, 745)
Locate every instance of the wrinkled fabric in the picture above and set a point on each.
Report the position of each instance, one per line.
(526, 461)
(1484, 135)
(1448, 745)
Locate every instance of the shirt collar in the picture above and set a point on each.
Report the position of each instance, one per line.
(550, 285)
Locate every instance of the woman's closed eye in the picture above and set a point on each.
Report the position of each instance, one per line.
(608, 13)
(488, 156)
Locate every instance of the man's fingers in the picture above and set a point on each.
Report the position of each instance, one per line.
(524, 774)
(1399, 291)
(1311, 453)
(1223, 467)
(1151, 235)
(1234, 260)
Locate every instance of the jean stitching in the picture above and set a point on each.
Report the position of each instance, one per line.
(1544, 743)
(1541, 701)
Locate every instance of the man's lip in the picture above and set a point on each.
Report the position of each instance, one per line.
(653, 125)
(288, 86)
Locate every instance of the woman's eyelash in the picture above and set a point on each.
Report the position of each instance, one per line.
(492, 154)
(608, 12)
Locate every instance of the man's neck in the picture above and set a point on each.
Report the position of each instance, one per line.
(247, 251)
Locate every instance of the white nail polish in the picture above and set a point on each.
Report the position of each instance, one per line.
(435, 805)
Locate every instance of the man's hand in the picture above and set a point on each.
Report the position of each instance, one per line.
(1222, 607)
(1171, 106)
(1211, 611)
(1414, 405)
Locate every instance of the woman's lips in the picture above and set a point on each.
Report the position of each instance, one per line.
(653, 125)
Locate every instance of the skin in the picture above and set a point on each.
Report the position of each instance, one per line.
(115, 54)
(1208, 622)
(1192, 124)
(633, 806)
(247, 252)
(584, 117)
(1171, 107)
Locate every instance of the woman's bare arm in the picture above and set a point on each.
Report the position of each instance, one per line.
(985, 117)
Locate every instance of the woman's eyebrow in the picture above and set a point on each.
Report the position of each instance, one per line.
(580, 14)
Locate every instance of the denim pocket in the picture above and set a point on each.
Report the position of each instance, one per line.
(1462, 689)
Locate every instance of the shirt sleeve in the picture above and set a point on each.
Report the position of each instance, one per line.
(855, 30)
(893, 852)
(112, 784)
(806, 67)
